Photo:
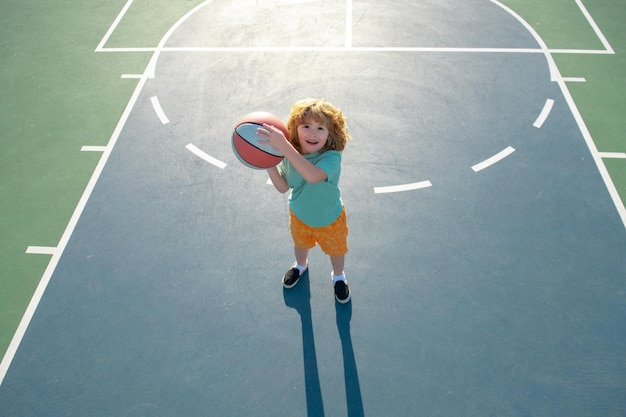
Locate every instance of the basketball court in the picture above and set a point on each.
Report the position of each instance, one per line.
(486, 254)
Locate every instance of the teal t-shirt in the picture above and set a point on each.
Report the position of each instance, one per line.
(316, 204)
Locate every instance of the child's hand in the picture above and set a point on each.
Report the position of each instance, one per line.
(273, 136)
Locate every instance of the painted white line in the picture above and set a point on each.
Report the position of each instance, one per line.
(151, 68)
(41, 250)
(574, 79)
(128, 49)
(597, 156)
(284, 49)
(45, 279)
(159, 111)
(581, 51)
(555, 75)
(595, 27)
(203, 155)
(348, 23)
(93, 148)
(545, 112)
(609, 155)
(116, 22)
(131, 76)
(403, 187)
(408, 49)
(494, 159)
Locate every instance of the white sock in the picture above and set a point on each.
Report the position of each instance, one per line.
(302, 268)
(341, 277)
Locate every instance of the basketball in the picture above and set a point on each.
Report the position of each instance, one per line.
(246, 142)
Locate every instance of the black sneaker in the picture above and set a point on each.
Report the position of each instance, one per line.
(342, 292)
(292, 276)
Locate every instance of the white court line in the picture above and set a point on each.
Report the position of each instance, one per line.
(41, 250)
(131, 76)
(159, 110)
(574, 79)
(609, 155)
(93, 148)
(69, 230)
(595, 27)
(348, 23)
(408, 49)
(203, 155)
(545, 112)
(357, 49)
(494, 159)
(116, 22)
(597, 156)
(129, 49)
(403, 187)
(151, 68)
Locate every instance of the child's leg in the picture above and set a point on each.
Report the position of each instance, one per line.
(302, 256)
(337, 262)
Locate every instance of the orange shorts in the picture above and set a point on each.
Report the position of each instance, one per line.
(333, 239)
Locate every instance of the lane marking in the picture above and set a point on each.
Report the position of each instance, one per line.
(609, 155)
(545, 112)
(574, 79)
(403, 187)
(203, 155)
(494, 159)
(42, 250)
(159, 111)
(93, 148)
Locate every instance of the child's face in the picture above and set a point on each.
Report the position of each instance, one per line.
(312, 136)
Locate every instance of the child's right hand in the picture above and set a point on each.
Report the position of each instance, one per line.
(273, 136)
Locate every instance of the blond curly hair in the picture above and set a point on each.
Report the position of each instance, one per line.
(321, 111)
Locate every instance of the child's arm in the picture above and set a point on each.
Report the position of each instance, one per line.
(277, 139)
(278, 180)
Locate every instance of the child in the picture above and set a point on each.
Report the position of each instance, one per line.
(311, 168)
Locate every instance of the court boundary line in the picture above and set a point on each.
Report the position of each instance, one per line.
(24, 323)
(348, 38)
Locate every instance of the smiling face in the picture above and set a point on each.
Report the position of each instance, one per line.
(315, 125)
(312, 136)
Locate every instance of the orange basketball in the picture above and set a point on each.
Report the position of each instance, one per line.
(246, 142)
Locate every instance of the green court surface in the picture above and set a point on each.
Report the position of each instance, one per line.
(60, 93)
